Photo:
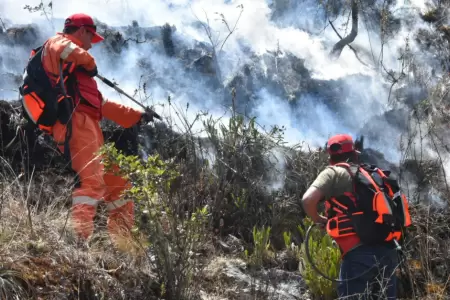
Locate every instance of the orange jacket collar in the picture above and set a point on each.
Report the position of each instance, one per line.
(72, 38)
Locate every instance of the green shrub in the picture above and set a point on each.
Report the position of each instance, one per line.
(326, 257)
(174, 234)
(243, 163)
(261, 245)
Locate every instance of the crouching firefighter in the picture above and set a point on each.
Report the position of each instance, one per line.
(366, 214)
(60, 96)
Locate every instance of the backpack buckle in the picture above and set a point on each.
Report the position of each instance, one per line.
(397, 245)
(389, 220)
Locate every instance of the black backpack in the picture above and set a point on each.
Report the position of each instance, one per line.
(42, 103)
(377, 211)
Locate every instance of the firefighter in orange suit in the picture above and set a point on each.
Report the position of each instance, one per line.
(86, 138)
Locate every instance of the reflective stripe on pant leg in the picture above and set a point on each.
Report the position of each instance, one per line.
(116, 204)
(121, 218)
(120, 210)
(83, 213)
(120, 223)
(85, 200)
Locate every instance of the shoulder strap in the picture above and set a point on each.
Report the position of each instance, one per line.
(366, 170)
(351, 168)
(36, 50)
(390, 183)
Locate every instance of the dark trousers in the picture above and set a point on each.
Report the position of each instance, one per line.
(379, 283)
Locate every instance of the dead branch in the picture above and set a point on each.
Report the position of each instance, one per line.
(339, 46)
(215, 44)
(432, 137)
(230, 31)
(351, 48)
(394, 80)
(3, 24)
(136, 40)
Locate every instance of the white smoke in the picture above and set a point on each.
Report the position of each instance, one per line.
(301, 33)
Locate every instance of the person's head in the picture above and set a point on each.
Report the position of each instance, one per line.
(341, 148)
(82, 27)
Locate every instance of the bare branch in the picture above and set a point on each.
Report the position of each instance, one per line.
(45, 9)
(337, 49)
(353, 49)
(234, 27)
(3, 24)
(215, 42)
(136, 40)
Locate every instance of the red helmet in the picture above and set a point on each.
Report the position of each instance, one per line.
(340, 143)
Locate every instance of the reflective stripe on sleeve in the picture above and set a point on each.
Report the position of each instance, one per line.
(68, 50)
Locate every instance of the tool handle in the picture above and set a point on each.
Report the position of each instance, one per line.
(107, 81)
(153, 113)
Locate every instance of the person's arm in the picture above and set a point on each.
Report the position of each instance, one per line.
(319, 189)
(310, 201)
(68, 51)
(122, 115)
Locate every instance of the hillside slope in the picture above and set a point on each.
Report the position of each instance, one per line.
(203, 238)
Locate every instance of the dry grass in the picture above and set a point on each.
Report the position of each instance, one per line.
(47, 256)
(51, 265)
(428, 264)
(37, 243)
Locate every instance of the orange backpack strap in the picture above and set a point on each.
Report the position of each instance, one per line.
(397, 196)
(349, 167)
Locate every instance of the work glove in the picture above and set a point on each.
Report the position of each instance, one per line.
(147, 116)
(322, 223)
(91, 73)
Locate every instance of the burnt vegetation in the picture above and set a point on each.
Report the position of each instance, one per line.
(228, 186)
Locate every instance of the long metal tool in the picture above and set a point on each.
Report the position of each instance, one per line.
(109, 83)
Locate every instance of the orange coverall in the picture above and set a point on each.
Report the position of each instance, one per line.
(86, 140)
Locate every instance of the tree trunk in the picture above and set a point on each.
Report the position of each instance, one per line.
(337, 49)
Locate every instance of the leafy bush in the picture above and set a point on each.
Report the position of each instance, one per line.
(326, 257)
(173, 233)
(242, 169)
(261, 245)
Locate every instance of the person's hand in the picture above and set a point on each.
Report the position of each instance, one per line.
(91, 73)
(322, 226)
(321, 222)
(147, 116)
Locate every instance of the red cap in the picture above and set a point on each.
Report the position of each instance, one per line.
(78, 20)
(340, 143)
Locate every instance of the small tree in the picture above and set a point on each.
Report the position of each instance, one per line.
(173, 235)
